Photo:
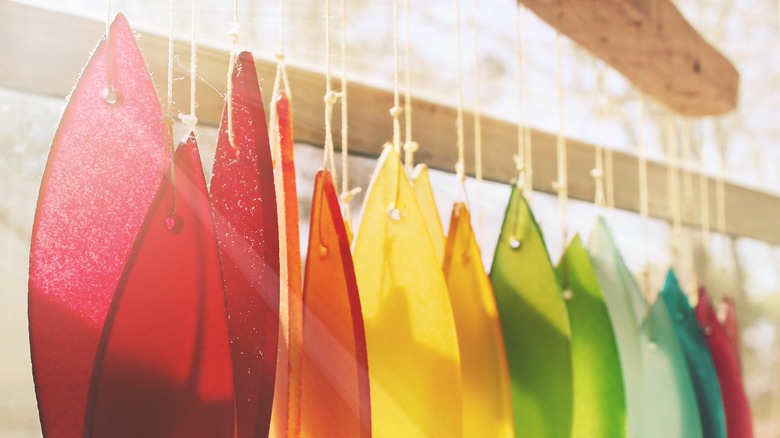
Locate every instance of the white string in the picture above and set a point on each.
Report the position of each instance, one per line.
(395, 111)
(110, 95)
(169, 106)
(234, 37)
(561, 186)
(477, 110)
(460, 166)
(410, 146)
(191, 119)
(330, 99)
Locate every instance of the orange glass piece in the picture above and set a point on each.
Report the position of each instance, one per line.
(102, 174)
(487, 400)
(244, 200)
(287, 392)
(423, 192)
(413, 359)
(163, 367)
(335, 400)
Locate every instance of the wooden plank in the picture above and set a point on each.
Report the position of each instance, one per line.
(48, 62)
(654, 46)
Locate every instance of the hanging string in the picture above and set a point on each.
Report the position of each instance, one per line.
(704, 196)
(346, 194)
(234, 36)
(460, 166)
(598, 171)
(520, 157)
(395, 111)
(280, 83)
(720, 199)
(331, 97)
(688, 253)
(169, 107)
(561, 186)
(410, 146)
(110, 95)
(673, 176)
(477, 111)
(191, 119)
(643, 198)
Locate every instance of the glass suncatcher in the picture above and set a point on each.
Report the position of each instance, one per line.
(163, 367)
(335, 397)
(104, 168)
(599, 395)
(661, 397)
(535, 324)
(487, 402)
(739, 421)
(697, 356)
(244, 201)
(413, 359)
(423, 193)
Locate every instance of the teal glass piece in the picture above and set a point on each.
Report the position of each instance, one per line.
(671, 410)
(535, 325)
(599, 396)
(660, 397)
(697, 357)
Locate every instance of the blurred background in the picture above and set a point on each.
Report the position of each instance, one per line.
(746, 32)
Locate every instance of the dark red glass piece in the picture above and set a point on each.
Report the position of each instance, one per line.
(335, 398)
(102, 174)
(739, 423)
(163, 367)
(244, 201)
(731, 325)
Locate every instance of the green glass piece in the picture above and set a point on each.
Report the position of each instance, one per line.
(698, 358)
(535, 325)
(660, 397)
(599, 396)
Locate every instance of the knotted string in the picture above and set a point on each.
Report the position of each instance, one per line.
(191, 119)
(410, 146)
(346, 194)
(561, 186)
(234, 37)
(460, 165)
(169, 107)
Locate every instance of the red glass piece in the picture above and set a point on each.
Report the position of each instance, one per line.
(287, 391)
(739, 423)
(163, 367)
(335, 398)
(103, 171)
(244, 201)
(731, 325)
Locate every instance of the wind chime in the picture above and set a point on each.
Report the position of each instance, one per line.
(161, 307)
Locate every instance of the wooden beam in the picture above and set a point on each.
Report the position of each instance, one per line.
(654, 46)
(57, 46)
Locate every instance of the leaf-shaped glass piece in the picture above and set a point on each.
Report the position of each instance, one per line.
(671, 409)
(414, 365)
(335, 397)
(730, 325)
(244, 201)
(599, 396)
(487, 401)
(423, 192)
(535, 326)
(626, 309)
(163, 367)
(661, 400)
(697, 356)
(287, 388)
(739, 422)
(103, 170)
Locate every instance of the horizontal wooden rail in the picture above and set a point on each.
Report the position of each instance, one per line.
(57, 46)
(652, 45)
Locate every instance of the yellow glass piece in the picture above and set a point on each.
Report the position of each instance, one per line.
(413, 359)
(423, 192)
(487, 401)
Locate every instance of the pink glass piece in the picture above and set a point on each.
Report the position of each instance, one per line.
(163, 368)
(731, 326)
(335, 400)
(244, 201)
(103, 170)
